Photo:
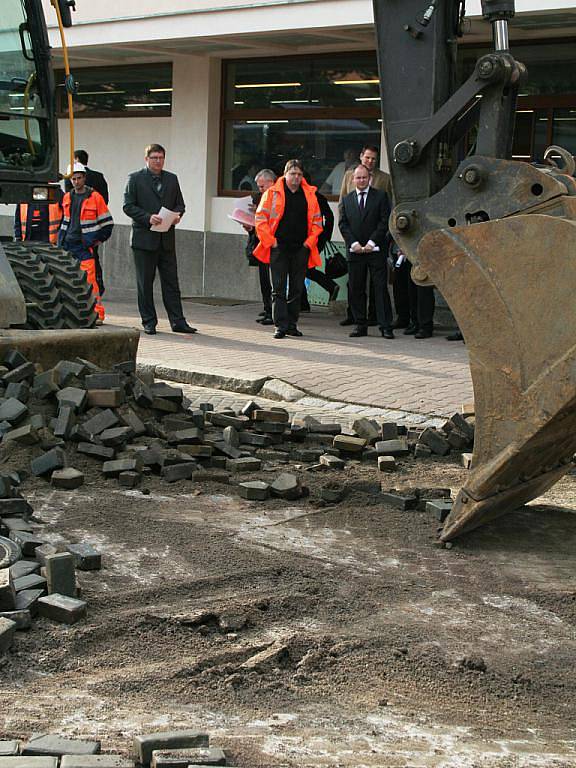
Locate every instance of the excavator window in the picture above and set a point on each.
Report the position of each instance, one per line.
(23, 115)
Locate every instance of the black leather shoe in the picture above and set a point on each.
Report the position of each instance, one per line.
(278, 334)
(455, 337)
(423, 335)
(346, 321)
(150, 330)
(387, 333)
(184, 328)
(411, 330)
(294, 332)
(358, 332)
(266, 321)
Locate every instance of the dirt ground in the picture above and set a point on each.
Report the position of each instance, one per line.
(383, 648)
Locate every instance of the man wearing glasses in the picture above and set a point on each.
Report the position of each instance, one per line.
(147, 191)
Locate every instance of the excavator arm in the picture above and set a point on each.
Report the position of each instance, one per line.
(495, 236)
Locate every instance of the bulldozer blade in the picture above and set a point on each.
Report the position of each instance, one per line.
(511, 285)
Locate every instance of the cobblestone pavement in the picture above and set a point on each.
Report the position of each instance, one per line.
(429, 377)
(327, 411)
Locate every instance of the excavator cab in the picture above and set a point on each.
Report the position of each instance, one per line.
(28, 131)
(497, 238)
(41, 286)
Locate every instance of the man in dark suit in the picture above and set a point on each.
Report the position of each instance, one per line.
(147, 191)
(96, 180)
(364, 214)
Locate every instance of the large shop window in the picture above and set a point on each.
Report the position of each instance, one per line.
(320, 109)
(139, 91)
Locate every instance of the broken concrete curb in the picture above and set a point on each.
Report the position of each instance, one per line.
(227, 380)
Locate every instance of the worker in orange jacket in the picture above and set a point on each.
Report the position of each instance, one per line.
(288, 223)
(86, 223)
(37, 222)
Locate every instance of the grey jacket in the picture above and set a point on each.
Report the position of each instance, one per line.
(141, 200)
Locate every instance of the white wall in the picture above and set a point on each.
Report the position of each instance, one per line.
(116, 145)
(108, 10)
(152, 23)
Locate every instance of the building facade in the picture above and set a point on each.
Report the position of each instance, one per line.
(231, 86)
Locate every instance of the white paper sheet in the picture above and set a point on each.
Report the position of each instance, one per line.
(168, 218)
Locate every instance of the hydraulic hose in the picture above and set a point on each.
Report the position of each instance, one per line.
(29, 84)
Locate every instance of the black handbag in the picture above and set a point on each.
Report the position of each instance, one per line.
(335, 264)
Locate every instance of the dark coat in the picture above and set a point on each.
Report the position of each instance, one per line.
(141, 200)
(372, 224)
(252, 236)
(94, 179)
(327, 221)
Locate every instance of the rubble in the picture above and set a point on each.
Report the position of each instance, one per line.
(129, 427)
(55, 746)
(67, 610)
(145, 745)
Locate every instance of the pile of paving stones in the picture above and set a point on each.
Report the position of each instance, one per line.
(169, 749)
(133, 427)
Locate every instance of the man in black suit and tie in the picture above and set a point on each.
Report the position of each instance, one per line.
(364, 214)
(147, 191)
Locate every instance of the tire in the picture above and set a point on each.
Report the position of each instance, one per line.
(10, 552)
(76, 296)
(55, 288)
(43, 307)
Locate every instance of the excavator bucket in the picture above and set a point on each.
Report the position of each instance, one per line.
(510, 284)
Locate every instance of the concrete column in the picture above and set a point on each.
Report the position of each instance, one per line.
(195, 132)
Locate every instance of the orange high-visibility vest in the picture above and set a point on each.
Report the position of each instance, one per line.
(54, 220)
(271, 210)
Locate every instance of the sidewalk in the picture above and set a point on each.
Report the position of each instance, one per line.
(231, 351)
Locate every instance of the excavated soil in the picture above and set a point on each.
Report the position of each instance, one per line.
(382, 648)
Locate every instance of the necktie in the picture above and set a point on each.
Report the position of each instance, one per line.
(361, 202)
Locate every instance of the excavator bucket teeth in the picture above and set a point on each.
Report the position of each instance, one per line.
(511, 285)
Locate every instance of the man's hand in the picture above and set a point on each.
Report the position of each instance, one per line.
(178, 220)
(368, 248)
(155, 219)
(247, 227)
(356, 248)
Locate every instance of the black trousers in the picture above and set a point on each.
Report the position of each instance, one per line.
(371, 303)
(321, 279)
(288, 272)
(265, 287)
(405, 306)
(99, 275)
(147, 262)
(414, 304)
(358, 270)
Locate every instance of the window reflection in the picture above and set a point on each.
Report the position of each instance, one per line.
(327, 147)
(120, 91)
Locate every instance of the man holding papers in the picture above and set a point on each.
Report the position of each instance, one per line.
(364, 214)
(154, 202)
